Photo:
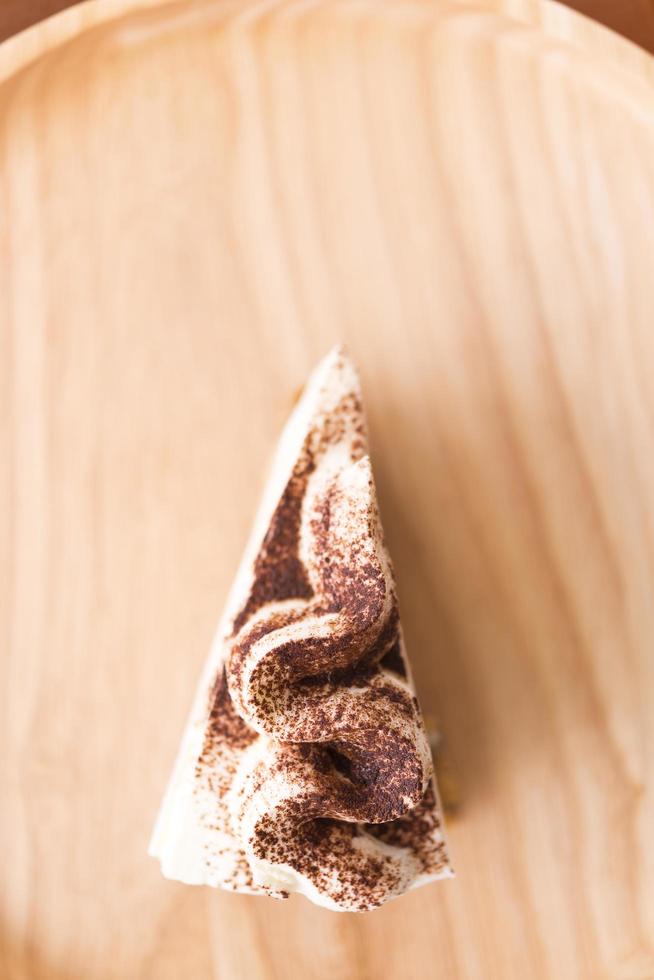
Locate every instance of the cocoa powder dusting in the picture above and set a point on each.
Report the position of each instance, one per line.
(278, 572)
(344, 725)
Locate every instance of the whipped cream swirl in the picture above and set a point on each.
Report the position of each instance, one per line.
(305, 766)
(342, 736)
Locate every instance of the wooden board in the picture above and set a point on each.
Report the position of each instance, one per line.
(196, 201)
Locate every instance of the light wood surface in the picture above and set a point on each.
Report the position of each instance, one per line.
(196, 201)
(633, 18)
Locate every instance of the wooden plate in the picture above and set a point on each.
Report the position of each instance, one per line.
(197, 200)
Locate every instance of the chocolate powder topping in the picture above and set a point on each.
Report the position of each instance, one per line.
(278, 572)
(315, 663)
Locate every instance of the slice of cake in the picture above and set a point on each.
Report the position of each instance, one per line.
(305, 765)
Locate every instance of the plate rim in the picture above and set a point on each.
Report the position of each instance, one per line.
(558, 23)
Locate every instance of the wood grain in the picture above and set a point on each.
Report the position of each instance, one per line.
(196, 200)
(633, 18)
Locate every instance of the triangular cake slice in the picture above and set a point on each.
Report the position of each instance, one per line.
(305, 766)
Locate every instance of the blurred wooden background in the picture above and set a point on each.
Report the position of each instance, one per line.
(633, 18)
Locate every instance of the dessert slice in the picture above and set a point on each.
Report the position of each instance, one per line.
(305, 765)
